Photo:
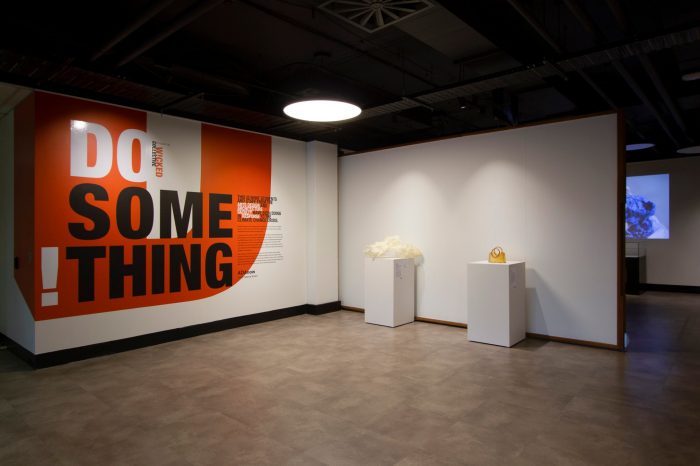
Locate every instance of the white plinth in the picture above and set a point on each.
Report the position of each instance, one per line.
(496, 302)
(389, 291)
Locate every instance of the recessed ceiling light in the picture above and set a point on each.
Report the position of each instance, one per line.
(689, 150)
(639, 146)
(693, 76)
(322, 110)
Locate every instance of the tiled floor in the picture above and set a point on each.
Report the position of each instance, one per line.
(315, 390)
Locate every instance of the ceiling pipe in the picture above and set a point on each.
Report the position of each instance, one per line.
(61, 68)
(239, 86)
(619, 15)
(328, 37)
(208, 79)
(598, 89)
(131, 27)
(335, 75)
(181, 21)
(418, 103)
(587, 23)
(523, 74)
(612, 105)
(489, 55)
(534, 24)
(584, 19)
(578, 11)
(180, 100)
(644, 98)
(661, 89)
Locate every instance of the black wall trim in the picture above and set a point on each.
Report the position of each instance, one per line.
(671, 288)
(55, 358)
(325, 308)
(17, 349)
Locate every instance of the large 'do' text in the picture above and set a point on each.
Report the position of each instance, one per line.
(154, 267)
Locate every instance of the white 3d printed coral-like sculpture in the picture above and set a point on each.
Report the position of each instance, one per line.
(392, 246)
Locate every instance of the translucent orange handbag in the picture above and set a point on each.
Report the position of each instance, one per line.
(497, 255)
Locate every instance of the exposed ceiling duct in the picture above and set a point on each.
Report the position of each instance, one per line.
(438, 68)
(535, 73)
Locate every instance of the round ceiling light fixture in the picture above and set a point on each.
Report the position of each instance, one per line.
(322, 110)
(689, 150)
(639, 146)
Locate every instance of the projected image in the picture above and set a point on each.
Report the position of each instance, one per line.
(647, 207)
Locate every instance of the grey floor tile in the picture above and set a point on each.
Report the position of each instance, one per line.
(363, 449)
(424, 459)
(243, 449)
(22, 450)
(332, 390)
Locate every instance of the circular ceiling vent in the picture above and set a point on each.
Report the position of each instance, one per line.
(373, 15)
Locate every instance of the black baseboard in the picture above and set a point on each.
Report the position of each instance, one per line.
(55, 358)
(671, 288)
(18, 350)
(325, 308)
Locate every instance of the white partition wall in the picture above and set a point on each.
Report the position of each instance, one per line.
(546, 193)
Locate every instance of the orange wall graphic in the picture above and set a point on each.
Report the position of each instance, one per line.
(128, 215)
(24, 196)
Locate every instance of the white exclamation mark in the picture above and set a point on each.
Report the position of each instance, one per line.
(49, 274)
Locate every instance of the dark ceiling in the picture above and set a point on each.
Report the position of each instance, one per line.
(419, 69)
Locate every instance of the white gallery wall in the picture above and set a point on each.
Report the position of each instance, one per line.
(289, 269)
(322, 221)
(547, 194)
(276, 285)
(16, 320)
(675, 261)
